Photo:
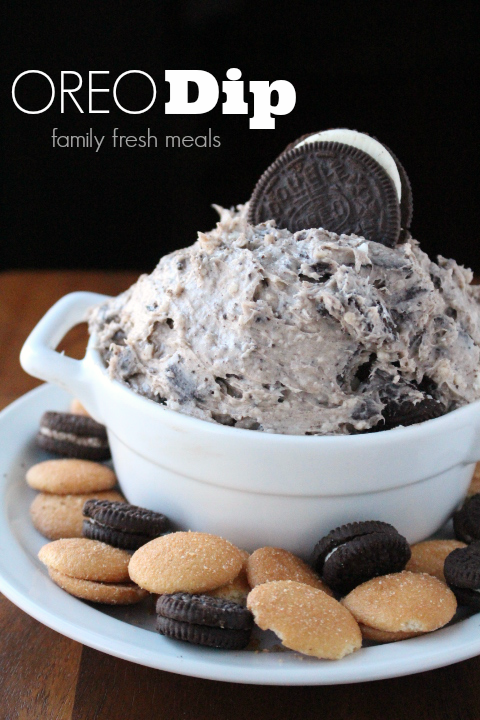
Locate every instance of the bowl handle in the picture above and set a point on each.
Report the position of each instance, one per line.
(39, 357)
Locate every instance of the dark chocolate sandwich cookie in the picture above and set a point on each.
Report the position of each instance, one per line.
(204, 610)
(356, 552)
(332, 186)
(121, 524)
(462, 573)
(466, 521)
(352, 137)
(71, 435)
(204, 620)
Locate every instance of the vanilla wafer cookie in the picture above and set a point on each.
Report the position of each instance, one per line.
(105, 593)
(402, 602)
(305, 619)
(429, 556)
(85, 559)
(238, 588)
(193, 562)
(382, 636)
(269, 563)
(71, 477)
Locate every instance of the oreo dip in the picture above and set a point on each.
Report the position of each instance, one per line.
(307, 330)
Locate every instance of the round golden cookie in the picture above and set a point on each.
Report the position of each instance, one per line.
(108, 594)
(238, 589)
(305, 619)
(429, 556)
(235, 591)
(70, 477)
(474, 486)
(77, 408)
(192, 562)
(268, 564)
(402, 602)
(382, 636)
(60, 516)
(86, 559)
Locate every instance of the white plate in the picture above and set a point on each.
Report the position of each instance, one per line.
(128, 632)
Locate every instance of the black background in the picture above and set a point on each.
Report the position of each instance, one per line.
(403, 72)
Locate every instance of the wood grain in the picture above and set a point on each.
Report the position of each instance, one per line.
(44, 676)
(38, 668)
(136, 692)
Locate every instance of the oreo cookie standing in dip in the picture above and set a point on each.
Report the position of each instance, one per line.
(381, 153)
(341, 180)
(74, 436)
(356, 552)
(121, 524)
(204, 620)
(462, 573)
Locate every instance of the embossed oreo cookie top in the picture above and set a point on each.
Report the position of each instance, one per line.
(340, 180)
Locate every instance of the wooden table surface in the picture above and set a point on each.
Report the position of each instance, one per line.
(45, 676)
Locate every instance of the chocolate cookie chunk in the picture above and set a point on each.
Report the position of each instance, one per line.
(121, 524)
(406, 413)
(404, 402)
(462, 573)
(214, 637)
(357, 552)
(466, 521)
(204, 610)
(73, 436)
(330, 185)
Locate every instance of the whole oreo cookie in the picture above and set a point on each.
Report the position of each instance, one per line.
(330, 185)
(466, 521)
(462, 573)
(204, 610)
(74, 436)
(343, 534)
(356, 552)
(121, 524)
(204, 620)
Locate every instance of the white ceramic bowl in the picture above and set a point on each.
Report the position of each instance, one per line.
(259, 488)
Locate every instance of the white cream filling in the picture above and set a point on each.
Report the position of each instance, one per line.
(71, 437)
(365, 143)
(329, 555)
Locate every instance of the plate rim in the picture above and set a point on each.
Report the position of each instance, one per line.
(197, 662)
